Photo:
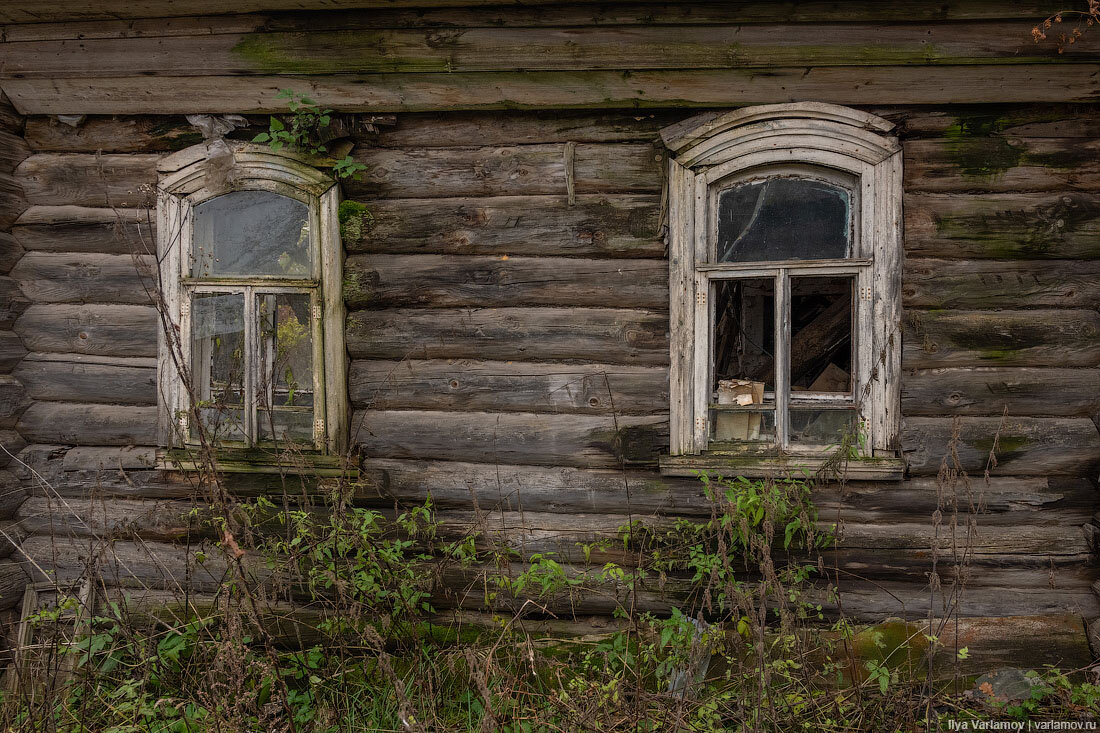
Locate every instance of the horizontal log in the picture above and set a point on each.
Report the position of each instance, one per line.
(1023, 642)
(445, 13)
(88, 180)
(156, 520)
(83, 229)
(11, 443)
(1001, 338)
(89, 378)
(596, 226)
(12, 351)
(106, 330)
(997, 391)
(1064, 225)
(89, 424)
(511, 170)
(12, 199)
(649, 46)
(12, 302)
(69, 277)
(13, 400)
(12, 494)
(585, 441)
(13, 150)
(10, 252)
(1048, 120)
(457, 485)
(508, 387)
(13, 582)
(382, 93)
(991, 284)
(444, 281)
(1034, 446)
(146, 134)
(607, 335)
(982, 163)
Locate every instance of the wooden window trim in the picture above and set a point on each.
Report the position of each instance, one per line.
(183, 185)
(707, 152)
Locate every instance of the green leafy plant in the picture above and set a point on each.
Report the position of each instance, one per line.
(304, 132)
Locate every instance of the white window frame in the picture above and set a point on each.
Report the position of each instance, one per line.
(709, 153)
(184, 185)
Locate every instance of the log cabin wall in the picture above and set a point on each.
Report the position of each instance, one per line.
(507, 295)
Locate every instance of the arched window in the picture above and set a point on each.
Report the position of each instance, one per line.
(250, 269)
(785, 264)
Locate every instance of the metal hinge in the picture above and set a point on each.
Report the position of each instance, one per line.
(318, 312)
(319, 427)
(185, 308)
(700, 423)
(866, 293)
(700, 297)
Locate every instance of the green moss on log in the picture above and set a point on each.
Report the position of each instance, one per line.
(354, 219)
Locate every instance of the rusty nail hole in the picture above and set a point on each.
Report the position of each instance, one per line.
(83, 335)
(594, 401)
(454, 384)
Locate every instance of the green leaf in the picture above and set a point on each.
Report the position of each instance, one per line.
(277, 124)
(263, 137)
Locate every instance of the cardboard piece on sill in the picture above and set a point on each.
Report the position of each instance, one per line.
(832, 379)
(738, 426)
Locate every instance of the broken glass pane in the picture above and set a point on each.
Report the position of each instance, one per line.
(744, 361)
(285, 389)
(218, 363)
(821, 335)
(250, 234)
(783, 219)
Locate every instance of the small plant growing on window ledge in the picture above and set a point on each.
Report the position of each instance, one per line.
(305, 132)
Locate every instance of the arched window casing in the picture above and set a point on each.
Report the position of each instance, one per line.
(785, 261)
(250, 266)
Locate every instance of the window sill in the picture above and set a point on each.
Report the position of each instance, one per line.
(238, 460)
(757, 466)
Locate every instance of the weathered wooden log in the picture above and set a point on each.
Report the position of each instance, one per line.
(146, 134)
(1062, 225)
(442, 281)
(13, 400)
(10, 252)
(121, 19)
(1032, 338)
(11, 442)
(156, 133)
(49, 277)
(156, 520)
(79, 424)
(1024, 446)
(506, 386)
(12, 351)
(107, 330)
(979, 163)
(13, 150)
(12, 302)
(1009, 641)
(13, 581)
(509, 170)
(649, 46)
(83, 229)
(596, 226)
(976, 121)
(120, 181)
(12, 199)
(89, 378)
(977, 284)
(558, 440)
(411, 92)
(12, 494)
(997, 391)
(458, 485)
(608, 335)
(10, 118)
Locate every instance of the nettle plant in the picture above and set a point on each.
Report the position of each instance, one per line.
(304, 132)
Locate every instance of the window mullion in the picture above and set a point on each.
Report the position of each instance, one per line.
(782, 356)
